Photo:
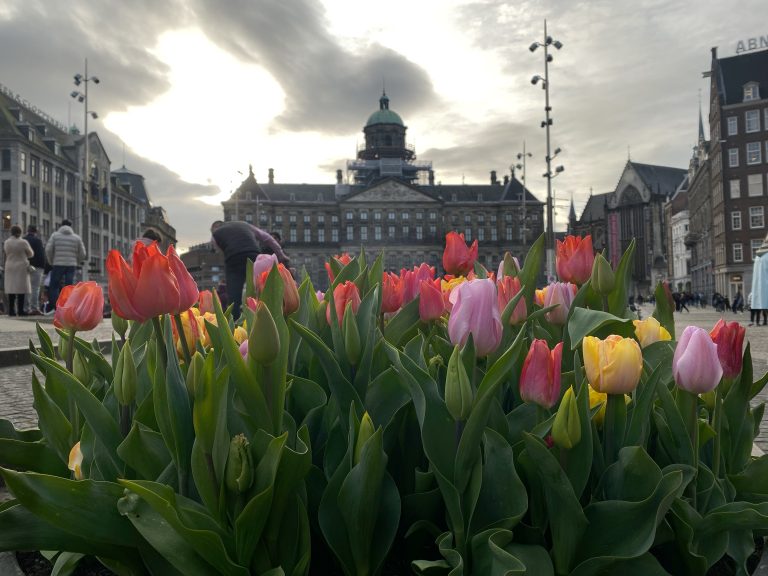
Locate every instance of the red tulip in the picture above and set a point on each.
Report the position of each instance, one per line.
(475, 311)
(575, 257)
(729, 338)
(391, 292)
(508, 287)
(79, 307)
(188, 292)
(343, 293)
(205, 301)
(290, 291)
(457, 258)
(411, 280)
(149, 287)
(263, 262)
(540, 378)
(431, 303)
(342, 259)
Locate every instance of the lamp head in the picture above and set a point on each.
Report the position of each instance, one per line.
(535, 79)
(94, 115)
(81, 98)
(549, 58)
(78, 79)
(557, 44)
(559, 169)
(95, 79)
(549, 40)
(558, 150)
(533, 47)
(74, 93)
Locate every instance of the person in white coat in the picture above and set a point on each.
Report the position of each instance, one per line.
(16, 282)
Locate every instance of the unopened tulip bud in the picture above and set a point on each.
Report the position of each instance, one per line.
(458, 391)
(80, 369)
(566, 429)
(119, 325)
(239, 472)
(603, 278)
(351, 336)
(124, 385)
(264, 341)
(511, 265)
(194, 372)
(363, 434)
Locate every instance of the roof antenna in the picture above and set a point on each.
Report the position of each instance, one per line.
(123, 154)
(629, 155)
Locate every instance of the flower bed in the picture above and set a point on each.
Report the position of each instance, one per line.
(463, 425)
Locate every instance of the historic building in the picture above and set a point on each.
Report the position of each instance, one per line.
(676, 218)
(593, 220)
(636, 212)
(205, 264)
(738, 153)
(41, 182)
(388, 201)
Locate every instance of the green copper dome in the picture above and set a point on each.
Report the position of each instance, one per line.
(384, 115)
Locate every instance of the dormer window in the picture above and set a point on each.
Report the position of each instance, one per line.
(751, 91)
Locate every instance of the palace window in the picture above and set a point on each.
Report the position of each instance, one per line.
(377, 232)
(733, 125)
(419, 233)
(292, 235)
(391, 232)
(481, 234)
(321, 234)
(349, 215)
(307, 219)
(494, 235)
(752, 120)
(754, 155)
(406, 232)
(335, 235)
(350, 233)
(364, 233)
(363, 215)
(307, 235)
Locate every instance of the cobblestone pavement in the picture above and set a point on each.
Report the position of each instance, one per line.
(15, 333)
(16, 389)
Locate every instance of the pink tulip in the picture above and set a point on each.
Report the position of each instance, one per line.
(411, 280)
(475, 311)
(508, 287)
(562, 294)
(540, 378)
(695, 365)
(244, 349)
(320, 295)
(431, 304)
(263, 263)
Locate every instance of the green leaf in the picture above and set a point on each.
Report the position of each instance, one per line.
(65, 564)
(403, 323)
(52, 421)
(46, 344)
(638, 427)
(583, 322)
(531, 271)
(32, 457)
(664, 312)
(618, 299)
(144, 450)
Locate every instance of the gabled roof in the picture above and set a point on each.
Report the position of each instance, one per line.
(134, 182)
(737, 71)
(661, 180)
(596, 208)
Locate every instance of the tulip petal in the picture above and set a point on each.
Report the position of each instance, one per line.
(122, 287)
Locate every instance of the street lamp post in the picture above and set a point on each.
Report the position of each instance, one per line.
(85, 228)
(548, 41)
(522, 156)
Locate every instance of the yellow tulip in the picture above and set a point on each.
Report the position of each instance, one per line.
(76, 461)
(599, 398)
(649, 331)
(240, 335)
(613, 365)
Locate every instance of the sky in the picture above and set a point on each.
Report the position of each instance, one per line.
(192, 92)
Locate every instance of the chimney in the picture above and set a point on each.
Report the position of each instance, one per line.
(339, 177)
(271, 176)
(493, 177)
(431, 177)
(506, 179)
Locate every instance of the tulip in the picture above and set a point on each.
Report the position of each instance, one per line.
(729, 338)
(263, 263)
(391, 292)
(475, 311)
(613, 365)
(320, 295)
(125, 378)
(79, 307)
(649, 331)
(343, 293)
(194, 328)
(205, 302)
(290, 291)
(80, 369)
(603, 278)
(431, 303)
(566, 429)
(562, 295)
(195, 374)
(75, 462)
(342, 259)
(457, 258)
(411, 280)
(574, 259)
(508, 287)
(510, 266)
(448, 287)
(364, 433)
(351, 336)
(601, 399)
(695, 365)
(458, 391)
(238, 474)
(263, 343)
(540, 378)
(150, 287)
(240, 334)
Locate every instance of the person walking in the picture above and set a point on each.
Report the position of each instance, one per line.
(37, 266)
(16, 284)
(65, 251)
(239, 242)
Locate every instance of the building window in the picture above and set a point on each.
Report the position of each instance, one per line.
(364, 233)
(363, 215)
(307, 219)
(58, 177)
(508, 234)
(5, 160)
(292, 219)
(349, 214)
(493, 218)
(5, 195)
(391, 232)
(432, 215)
(6, 217)
(334, 219)
(292, 235)
(321, 234)
(105, 221)
(307, 235)
(735, 188)
(376, 215)
(263, 218)
(432, 231)
(508, 217)
(481, 234)
(34, 165)
(46, 201)
(494, 235)
(377, 232)
(751, 92)
(420, 214)
(756, 217)
(24, 194)
(733, 157)
(733, 126)
(481, 219)
(752, 121)
(468, 234)
(755, 245)
(350, 233)
(391, 215)
(406, 232)
(753, 153)
(46, 172)
(738, 252)
(755, 184)
(335, 235)
(406, 216)
(321, 218)
(419, 233)
(279, 219)
(467, 219)
(736, 220)
(249, 218)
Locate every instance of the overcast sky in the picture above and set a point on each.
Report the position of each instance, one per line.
(192, 91)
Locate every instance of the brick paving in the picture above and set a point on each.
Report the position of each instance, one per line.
(16, 389)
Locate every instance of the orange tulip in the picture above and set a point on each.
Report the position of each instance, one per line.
(508, 287)
(79, 307)
(343, 293)
(290, 291)
(342, 259)
(575, 257)
(391, 292)
(431, 303)
(205, 301)
(458, 259)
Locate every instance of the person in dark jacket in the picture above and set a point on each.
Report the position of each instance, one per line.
(32, 302)
(240, 241)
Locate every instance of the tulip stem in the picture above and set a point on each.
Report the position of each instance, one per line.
(615, 423)
(694, 432)
(183, 337)
(74, 415)
(160, 340)
(605, 303)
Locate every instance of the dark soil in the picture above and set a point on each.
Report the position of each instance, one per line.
(35, 564)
